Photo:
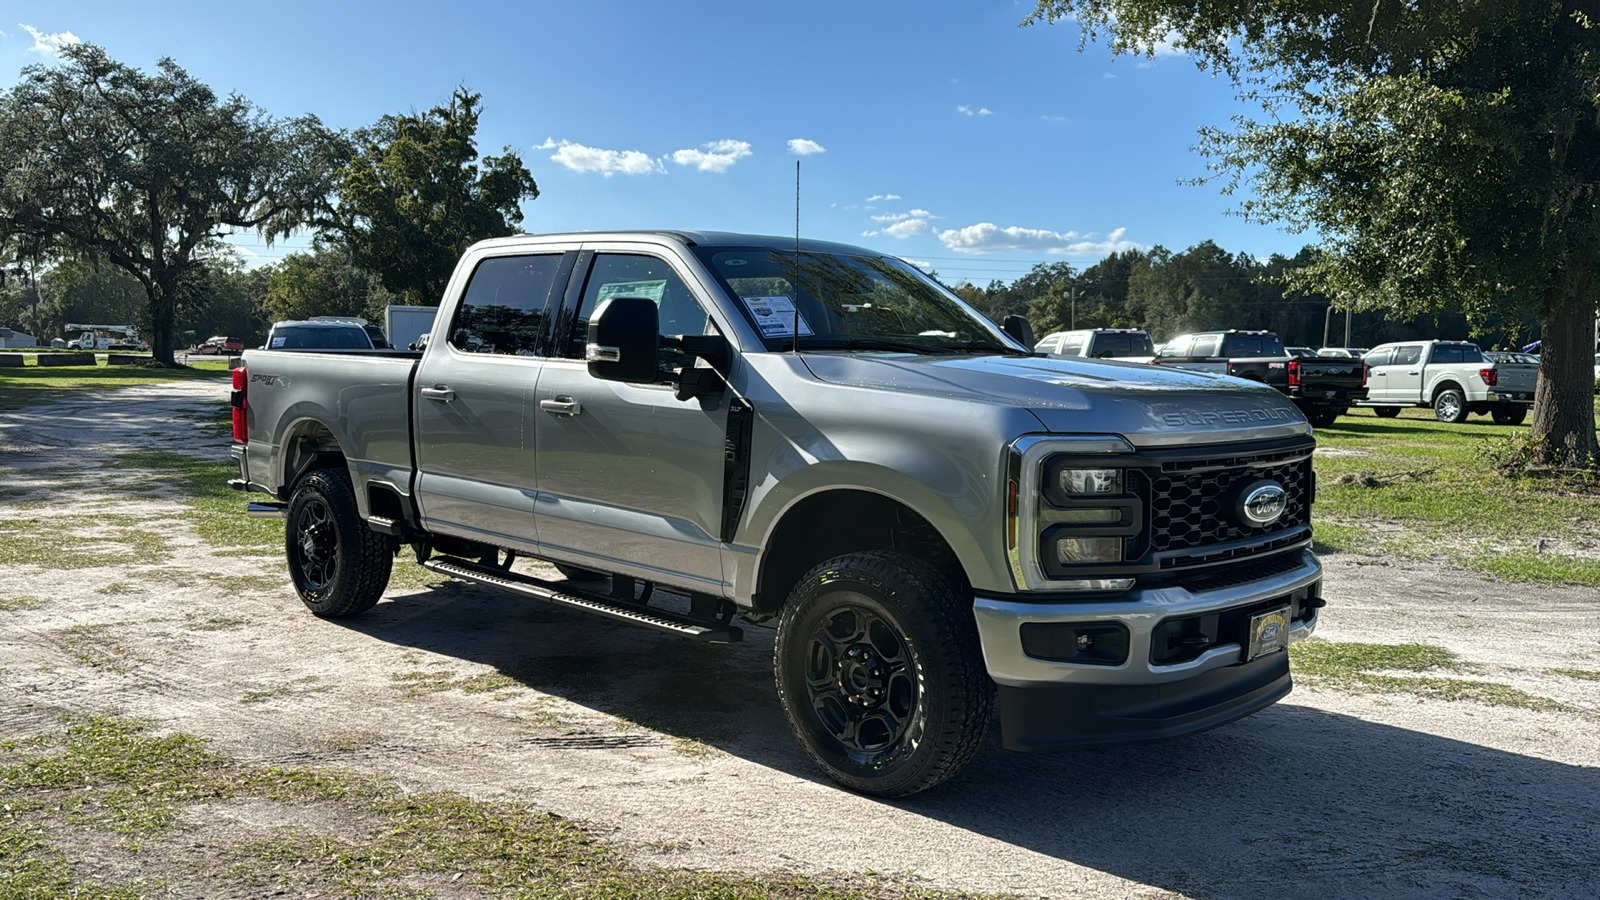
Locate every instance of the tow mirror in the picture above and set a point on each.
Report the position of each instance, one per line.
(1019, 328)
(624, 340)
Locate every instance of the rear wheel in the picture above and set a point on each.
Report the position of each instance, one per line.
(1386, 412)
(880, 674)
(1450, 406)
(1509, 415)
(338, 565)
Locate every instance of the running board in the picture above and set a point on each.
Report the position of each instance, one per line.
(632, 613)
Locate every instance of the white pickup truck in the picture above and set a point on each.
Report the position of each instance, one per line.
(1452, 377)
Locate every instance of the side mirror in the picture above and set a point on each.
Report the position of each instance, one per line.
(1019, 328)
(624, 340)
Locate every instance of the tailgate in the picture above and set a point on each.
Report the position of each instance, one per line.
(1516, 377)
(1333, 373)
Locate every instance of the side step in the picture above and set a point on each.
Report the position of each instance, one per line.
(632, 613)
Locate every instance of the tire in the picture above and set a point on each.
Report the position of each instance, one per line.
(1386, 412)
(338, 565)
(880, 673)
(1321, 416)
(1450, 406)
(574, 573)
(1512, 416)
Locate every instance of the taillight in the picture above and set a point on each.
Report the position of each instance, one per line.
(1366, 372)
(241, 430)
(1491, 377)
(1294, 373)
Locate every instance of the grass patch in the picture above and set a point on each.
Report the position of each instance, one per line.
(29, 385)
(417, 683)
(219, 518)
(297, 688)
(1416, 488)
(95, 647)
(1580, 674)
(79, 541)
(1357, 668)
(108, 777)
(215, 623)
(22, 602)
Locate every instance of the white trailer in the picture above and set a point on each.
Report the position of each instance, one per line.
(405, 325)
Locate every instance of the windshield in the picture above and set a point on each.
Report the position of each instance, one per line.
(850, 302)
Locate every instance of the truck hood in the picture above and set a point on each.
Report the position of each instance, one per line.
(1148, 404)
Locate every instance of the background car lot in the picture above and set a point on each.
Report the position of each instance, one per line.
(679, 756)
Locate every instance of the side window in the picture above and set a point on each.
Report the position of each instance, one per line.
(1445, 353)
(1178, 347)
(1070, 346)
(1380, 357)
(627, 275)
(506, 307)
(1206, 346)
(1408, 355)
(1049, 344)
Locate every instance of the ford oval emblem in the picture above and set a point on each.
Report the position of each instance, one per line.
(1262, 503)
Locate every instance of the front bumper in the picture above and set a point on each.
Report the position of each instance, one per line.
(1047, 702)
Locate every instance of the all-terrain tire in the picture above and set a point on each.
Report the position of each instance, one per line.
(338, 565)
(880, 673)
(1513, 416)
(1450, 406)
(1386, 412)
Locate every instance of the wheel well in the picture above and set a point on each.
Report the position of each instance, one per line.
(834, 523)
(1443, 386)
(313, 446)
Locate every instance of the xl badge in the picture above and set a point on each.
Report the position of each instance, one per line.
(1262, 503)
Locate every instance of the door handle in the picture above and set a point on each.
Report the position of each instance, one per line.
(1413, 373)
(561, 406)
(438, 393)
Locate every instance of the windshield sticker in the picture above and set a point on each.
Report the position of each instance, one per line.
(776, 316)
(277, 342)
(653, 290)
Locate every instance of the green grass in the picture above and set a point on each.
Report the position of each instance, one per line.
(79, 541)
(104, 787)
(1358, 668)
(219, 518)
(1418, 489)
(21, 387)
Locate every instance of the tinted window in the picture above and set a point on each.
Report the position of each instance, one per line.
(1119, 345)
(1407, 355)
(1247, 345)
(506, 306)
(624, 275)
(1205, 346)
(1380, 357)
(375, 334)
(1071, 345)
(318, 337)
(1178, 347)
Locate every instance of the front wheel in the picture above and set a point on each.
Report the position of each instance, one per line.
(1450, 406)
(338, 565)
(880, 673)
(1511, 416)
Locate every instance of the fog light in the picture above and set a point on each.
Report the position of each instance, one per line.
(1077, 550)
(1090, 481)
(1091, 643)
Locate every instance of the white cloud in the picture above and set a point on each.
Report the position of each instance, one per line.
(870, 233)
(969, 111)
(718, 156)
(876, 197)
(803, 147)
(986, 237)
(908, 228)
(901, 217)
(1107, 76)
(49, 44)
(579, 158)
(922, 264)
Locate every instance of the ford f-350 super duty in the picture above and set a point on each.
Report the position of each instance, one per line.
(704, 428)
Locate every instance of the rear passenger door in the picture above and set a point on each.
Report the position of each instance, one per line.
(1405, 374)
(630, 477)
(1378, 378)
(474, 449)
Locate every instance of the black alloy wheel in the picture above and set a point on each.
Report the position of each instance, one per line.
(861, 683)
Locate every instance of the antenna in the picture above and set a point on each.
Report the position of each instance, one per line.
(797, 258)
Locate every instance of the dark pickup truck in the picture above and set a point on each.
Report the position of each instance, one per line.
(1324, 388)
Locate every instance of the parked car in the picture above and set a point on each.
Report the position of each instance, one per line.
(1343, 352)
(326, 333)
(1323, 388)
(1302, 352)
(1455, 378)
(1099, 343)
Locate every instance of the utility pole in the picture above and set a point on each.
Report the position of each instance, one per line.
(1326, 317)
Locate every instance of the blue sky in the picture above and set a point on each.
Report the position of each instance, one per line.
(939, 132)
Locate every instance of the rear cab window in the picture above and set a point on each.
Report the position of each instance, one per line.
(1244, 346)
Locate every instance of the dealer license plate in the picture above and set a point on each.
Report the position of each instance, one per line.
(1269, 633)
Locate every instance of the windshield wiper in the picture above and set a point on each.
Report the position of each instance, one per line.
(854, 343)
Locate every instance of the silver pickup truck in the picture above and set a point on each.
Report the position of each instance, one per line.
(702, 428)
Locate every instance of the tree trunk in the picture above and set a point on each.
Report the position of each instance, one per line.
(163, 323)
(1563, 407)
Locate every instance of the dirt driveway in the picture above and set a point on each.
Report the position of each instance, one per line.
(680, 749)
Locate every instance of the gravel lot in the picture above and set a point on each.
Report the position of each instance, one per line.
(681, 752)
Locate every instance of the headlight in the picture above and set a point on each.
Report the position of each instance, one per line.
(1089, 481)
